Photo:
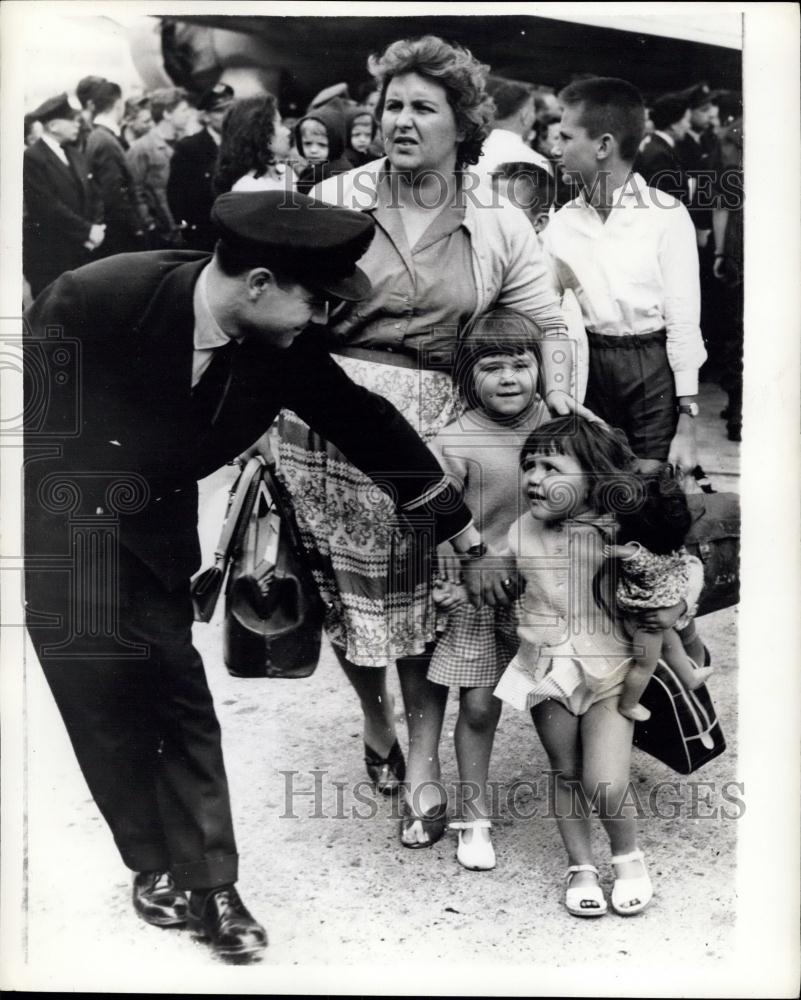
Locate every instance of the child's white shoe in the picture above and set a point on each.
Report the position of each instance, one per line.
(476, 854)
(584, 900)
(631, 895)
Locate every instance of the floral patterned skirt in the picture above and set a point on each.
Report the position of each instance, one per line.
(377, 595)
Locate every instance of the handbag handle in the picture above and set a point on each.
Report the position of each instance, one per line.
(695, 708)
(240, 494)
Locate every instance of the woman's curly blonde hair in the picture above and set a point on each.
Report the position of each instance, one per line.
(452, 67)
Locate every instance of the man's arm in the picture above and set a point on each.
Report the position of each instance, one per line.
(678, 263)
(372, 433)
(45, 208)
(378, 440)
(179, 186)
(113, 182)
(137, 160)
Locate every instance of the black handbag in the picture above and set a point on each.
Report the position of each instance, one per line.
(683, 731)
(715, 538)
(273, 612)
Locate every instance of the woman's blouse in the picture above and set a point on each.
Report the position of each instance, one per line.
(421, 295)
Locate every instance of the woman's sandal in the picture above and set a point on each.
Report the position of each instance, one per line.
(631, 895)
(386, 773)
(433, 822)
(584, 900)
(478, 855)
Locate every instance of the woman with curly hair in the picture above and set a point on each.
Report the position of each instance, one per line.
(444, 252)
(254, 147)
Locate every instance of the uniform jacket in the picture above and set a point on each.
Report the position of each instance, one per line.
(697, 158)
(61, 204)
(658, 163)
(106, 158)
(137, 446)
(189, 189)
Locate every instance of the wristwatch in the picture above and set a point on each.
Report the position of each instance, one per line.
(690, 409)
(476, 551)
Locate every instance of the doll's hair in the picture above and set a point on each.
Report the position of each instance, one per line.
(501, 331)
(661, 520)
(604, 454)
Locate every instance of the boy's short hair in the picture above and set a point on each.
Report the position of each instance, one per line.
(543, 185)
(509, 95)
(84, 91)
(669, 109)
(502, 331)
(609, 105)
(166, 99)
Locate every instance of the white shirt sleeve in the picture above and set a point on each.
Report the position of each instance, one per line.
(678, 262)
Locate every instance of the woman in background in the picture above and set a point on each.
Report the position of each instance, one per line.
(254, 148)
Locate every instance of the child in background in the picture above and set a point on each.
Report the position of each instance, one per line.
(497, 371)
(529, 188)
(320, 140)
(361, 128)
(655, 573)
(573, 659)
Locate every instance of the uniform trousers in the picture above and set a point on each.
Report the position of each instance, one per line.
(139, 713)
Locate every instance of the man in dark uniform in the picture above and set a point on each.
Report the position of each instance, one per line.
(84, 91)
(63, 213)
(180, 362)
(106, 160)
(189, 189)
(657, 159)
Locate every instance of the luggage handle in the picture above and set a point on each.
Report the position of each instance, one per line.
(695, 708)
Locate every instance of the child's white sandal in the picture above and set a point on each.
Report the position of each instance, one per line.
(584, 900)
(631, 895)
(479, 854)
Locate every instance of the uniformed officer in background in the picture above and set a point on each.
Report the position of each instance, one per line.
(189, 189)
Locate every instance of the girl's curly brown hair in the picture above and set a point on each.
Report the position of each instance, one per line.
(452, 67)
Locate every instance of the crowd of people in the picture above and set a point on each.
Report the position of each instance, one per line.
(534, 272)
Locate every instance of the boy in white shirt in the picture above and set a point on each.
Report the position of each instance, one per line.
(629, 253)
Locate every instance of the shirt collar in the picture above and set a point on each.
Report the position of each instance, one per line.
(667, 137)
(55, 145)
(208, 333)
(215, 135)
(630, 192)
(107, 122)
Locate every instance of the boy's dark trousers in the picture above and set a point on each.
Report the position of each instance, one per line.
(631, 386)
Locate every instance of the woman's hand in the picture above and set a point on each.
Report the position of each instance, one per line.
(660, 619)
(561, 403)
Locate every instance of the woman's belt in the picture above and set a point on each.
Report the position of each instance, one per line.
(430, 360)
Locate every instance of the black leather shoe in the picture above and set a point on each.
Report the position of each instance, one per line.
(157, 900)
(220, 917)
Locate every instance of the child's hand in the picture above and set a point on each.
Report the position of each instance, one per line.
(448, 595)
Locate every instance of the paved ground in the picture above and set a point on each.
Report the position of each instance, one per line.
(332, 884)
